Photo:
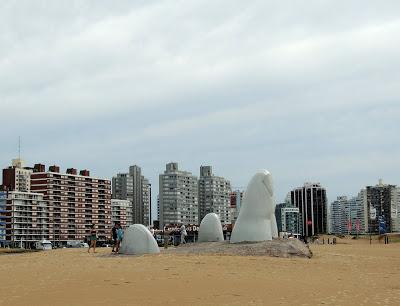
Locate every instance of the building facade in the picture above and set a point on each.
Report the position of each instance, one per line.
(236, 198)
(312, 203)
(122, 186)
(337, 218)
(288, 219)
(133, 186)
(76, 201)
(158, 208)
(214, 195)
(395, 211)
(121, 212)
(135, 172)
(146, 198)
(347, 216)
(28, 219)
(3, 218)
(381, 206)
(17, 177)
(178, 197)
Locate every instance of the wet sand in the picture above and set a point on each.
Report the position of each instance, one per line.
(349, 273)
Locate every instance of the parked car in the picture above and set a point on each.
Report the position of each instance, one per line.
(43, 245)
(76, 244)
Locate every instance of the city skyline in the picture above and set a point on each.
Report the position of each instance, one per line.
(309, 92)
(154, 195)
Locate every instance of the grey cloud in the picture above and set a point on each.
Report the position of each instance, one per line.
(307, 89)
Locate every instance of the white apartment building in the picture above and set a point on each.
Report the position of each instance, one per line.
(28, 218)
(395, 209)
(178, 196)
(121, 212)
(347, 215)
(338, 224)
(214, 196)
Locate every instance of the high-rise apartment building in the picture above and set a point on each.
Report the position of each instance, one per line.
(135, 172)
(395, 210)
(178, 196)
(17, 177)
(122, 186)
(76, 201)
(347, 215)
(312, 203)
(146, 198)
(134, 187)
(158, 207)
(337, 216)
(381, 205)
(3, 218)
(288, 219)
(28, 219)
(121, 212)
(214, 195)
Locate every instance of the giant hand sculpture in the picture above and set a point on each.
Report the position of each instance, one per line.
(138, 240)
(211, 229)
(256, 221)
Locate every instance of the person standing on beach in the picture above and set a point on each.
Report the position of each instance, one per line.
(120, 236)
(183, 234)
(114, 236)
(93, 238)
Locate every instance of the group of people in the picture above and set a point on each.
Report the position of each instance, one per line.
(117, 234)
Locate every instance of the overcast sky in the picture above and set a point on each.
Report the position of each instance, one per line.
(309, 90)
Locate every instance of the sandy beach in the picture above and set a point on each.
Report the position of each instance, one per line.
(349, 273)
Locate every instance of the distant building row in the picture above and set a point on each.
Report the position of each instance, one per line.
(186, 199)
(376, 209)
(36, 204)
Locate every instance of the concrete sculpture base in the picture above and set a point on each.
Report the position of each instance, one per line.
(138, 240)
(256, 220)
(210, 229)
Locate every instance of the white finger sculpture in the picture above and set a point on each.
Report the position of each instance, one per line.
(210, 229)
(256, 220)
(138, 240)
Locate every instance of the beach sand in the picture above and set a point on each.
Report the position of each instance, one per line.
(349, 273)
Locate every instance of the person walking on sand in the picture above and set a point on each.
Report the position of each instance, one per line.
(183, 234)
(120, 236)
(93, 238)
(114, 236)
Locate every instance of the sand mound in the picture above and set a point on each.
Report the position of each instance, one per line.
(276, 248)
